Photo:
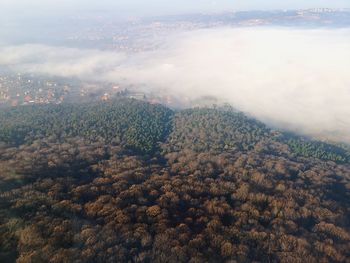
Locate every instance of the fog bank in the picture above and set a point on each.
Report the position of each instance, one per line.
(290, 78)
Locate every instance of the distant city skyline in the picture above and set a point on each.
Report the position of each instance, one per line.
(14, 8)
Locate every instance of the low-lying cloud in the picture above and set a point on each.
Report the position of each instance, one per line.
(291, 78)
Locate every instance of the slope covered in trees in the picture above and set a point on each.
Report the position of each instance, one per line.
(129, 122)
(214, 186)
(317, 149)
(215, 129)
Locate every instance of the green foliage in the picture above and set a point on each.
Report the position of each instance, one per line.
(131, 123)
(216, 129)
(317, 149)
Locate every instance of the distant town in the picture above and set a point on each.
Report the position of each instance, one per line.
(138, 35)
(18, 89)
(142, 34)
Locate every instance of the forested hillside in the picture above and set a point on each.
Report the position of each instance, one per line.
(317, 149)
(128, 122)
(128, 181)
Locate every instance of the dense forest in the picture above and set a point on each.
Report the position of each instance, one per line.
(126, 122)
(128, 181)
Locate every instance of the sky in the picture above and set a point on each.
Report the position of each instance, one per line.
(155, 7)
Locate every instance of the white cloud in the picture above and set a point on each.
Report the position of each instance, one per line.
(59, 61)
(295, 79)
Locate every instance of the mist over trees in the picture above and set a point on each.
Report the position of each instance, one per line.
(297, 68)
(128, 181)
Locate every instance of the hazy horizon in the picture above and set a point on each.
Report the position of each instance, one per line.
(14, 9)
